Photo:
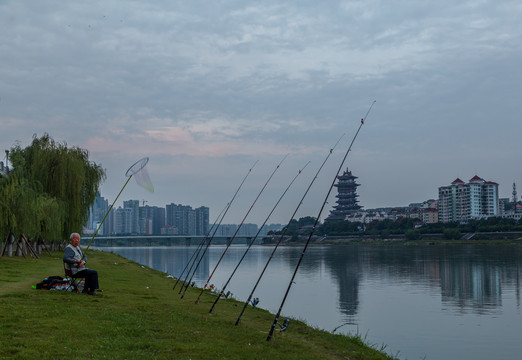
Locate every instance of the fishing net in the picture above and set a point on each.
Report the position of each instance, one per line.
(140, 174)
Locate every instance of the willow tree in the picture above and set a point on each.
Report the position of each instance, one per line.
(14, 195)
(25, 211)
(66, 179)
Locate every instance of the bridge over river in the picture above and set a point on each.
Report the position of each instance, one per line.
(161, 240)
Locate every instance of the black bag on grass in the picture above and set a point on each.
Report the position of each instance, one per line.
(50, 282)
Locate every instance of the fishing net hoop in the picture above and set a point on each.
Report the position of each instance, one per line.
(137, 167)
(140, 174)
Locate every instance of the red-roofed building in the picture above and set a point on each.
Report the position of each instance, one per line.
(464, 201)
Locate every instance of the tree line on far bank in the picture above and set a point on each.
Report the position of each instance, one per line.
(46, 195)
(403, 226)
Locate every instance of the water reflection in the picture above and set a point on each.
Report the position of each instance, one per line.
(171, 260)
(469, 278)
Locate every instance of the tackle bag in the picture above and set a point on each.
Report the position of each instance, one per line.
(52, 282)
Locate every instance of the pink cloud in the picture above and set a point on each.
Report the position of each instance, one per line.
(170, 134)
(178, 141)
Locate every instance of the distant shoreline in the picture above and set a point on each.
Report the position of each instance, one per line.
(430, 239)
(514, 237)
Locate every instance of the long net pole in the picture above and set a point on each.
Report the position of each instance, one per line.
(107, 213)
(276, 319)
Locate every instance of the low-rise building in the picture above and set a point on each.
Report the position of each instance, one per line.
(430, 216)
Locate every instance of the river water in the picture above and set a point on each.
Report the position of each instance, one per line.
(420, 302)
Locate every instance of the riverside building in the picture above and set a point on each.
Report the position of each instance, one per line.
(463, 201)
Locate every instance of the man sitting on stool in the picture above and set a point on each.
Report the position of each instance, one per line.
(75, 260)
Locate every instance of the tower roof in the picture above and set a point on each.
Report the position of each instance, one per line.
(347, 174)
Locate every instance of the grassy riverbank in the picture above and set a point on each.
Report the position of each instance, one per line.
(139, 316)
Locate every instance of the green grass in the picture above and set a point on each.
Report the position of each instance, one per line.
(138, 316)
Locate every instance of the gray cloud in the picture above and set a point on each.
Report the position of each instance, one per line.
(209, 87)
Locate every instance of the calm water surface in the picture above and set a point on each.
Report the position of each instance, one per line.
(422, 302)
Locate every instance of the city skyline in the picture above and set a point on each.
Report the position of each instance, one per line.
(171, 219)
(205, 91)
(414, 205)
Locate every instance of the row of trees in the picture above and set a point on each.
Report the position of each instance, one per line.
(48, 192)
(403, 226)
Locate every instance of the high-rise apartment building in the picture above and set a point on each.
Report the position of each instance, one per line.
(152, 219)
(134, 206)
(123, 221)
(97, 212)
(187, 220)
(462, 201)
(182, 217)
(202, 219)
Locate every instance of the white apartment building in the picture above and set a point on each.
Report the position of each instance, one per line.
(462, 201)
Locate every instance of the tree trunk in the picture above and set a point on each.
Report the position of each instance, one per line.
(21, 247)
(42, 243)
(29, 247)
(19, 250)
(23, 242)
(8, 245)
(10, 248)
(38, 245)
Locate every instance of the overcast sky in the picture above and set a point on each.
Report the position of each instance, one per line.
(206, 88)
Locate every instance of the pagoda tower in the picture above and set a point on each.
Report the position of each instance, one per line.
(346, 197)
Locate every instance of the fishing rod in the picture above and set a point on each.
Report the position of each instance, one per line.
(197, 252)
(276, 319)
(255, 237)
(239, 227)
(198, 249)
(198, 262)
(285, 229)
(212, 237)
